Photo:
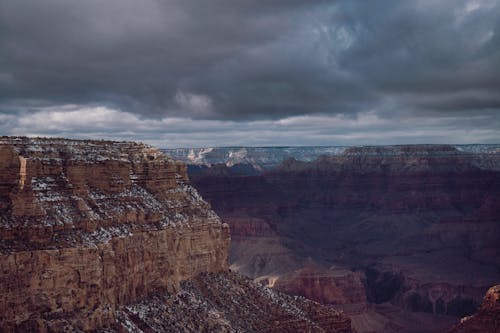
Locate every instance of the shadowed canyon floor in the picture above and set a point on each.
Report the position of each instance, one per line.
(401, 237)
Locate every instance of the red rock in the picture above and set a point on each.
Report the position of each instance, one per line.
(425, 216)
(226, 302)
(110, 236)
(89, 226)
(487, 318)
(327, 286)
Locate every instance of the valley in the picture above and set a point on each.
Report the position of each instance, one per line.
(413, 229)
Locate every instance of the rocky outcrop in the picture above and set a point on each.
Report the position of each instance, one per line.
(327, 286)
(438, 297)
(110, 236)
(89, 226)
(487, 318)
(257, 251)
(226, 302)
(266, 158)
(257, 158)
(423, 217)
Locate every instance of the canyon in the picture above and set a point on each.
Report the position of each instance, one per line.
(487, 319)
(111, 237)
(403, 238)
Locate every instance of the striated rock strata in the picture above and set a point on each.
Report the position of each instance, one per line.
(88, 226)
(487, 318)
(227, 302)
(110, 237)
(420, 224)
(327, 286)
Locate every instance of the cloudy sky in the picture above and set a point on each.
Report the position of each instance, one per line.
(177, 73)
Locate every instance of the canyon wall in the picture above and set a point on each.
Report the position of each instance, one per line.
(228, 302)
(417, 226)
(487, 318)
(89, 226)
(111, 237)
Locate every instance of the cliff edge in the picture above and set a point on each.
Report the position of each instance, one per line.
(487, 318)
(111, 237)
(88, 226)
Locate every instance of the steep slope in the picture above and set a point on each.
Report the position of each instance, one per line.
(259, 158)
(90, 230)
(487, 319)
(227, 302)
(418, 226)
(88, 226)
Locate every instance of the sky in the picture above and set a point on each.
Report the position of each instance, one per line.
(186, 73)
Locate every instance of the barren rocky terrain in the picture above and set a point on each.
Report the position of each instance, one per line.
(487, 318)
(111, 236)
(414, 229)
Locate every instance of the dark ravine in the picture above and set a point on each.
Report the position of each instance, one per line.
(100, 236)
(417, 226)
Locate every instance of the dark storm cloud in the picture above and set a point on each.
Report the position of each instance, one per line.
(127, 52)
(238, 61)
(427, 48)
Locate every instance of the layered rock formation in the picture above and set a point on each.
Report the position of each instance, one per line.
(419, 224)
(266, 158)
(87, 226)
(227, 302)
(327, 286)
(487, 319)
(91, 231)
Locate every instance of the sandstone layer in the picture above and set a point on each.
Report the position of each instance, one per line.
(227, 302)
(111, 237)
(327, 286)
(89, 226)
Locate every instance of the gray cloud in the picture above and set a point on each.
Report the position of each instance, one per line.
(247, 63)
(364, 128)
(135, 55)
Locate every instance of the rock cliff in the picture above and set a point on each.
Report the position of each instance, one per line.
(110, 236)
(266, 158)
(227, 302)
(87, 226)
(327, 286)
(487, 319)
(418, 224)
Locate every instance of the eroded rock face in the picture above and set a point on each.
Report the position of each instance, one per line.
(438, 297)
(424, 219)
(89, 226)
(327, 286)
(487, 319)
(227, 302)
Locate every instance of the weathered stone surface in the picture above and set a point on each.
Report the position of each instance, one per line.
(421, 221)
(327, 286)
(110, 236)
(487, 318)
(227, 302)
(89, 226)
